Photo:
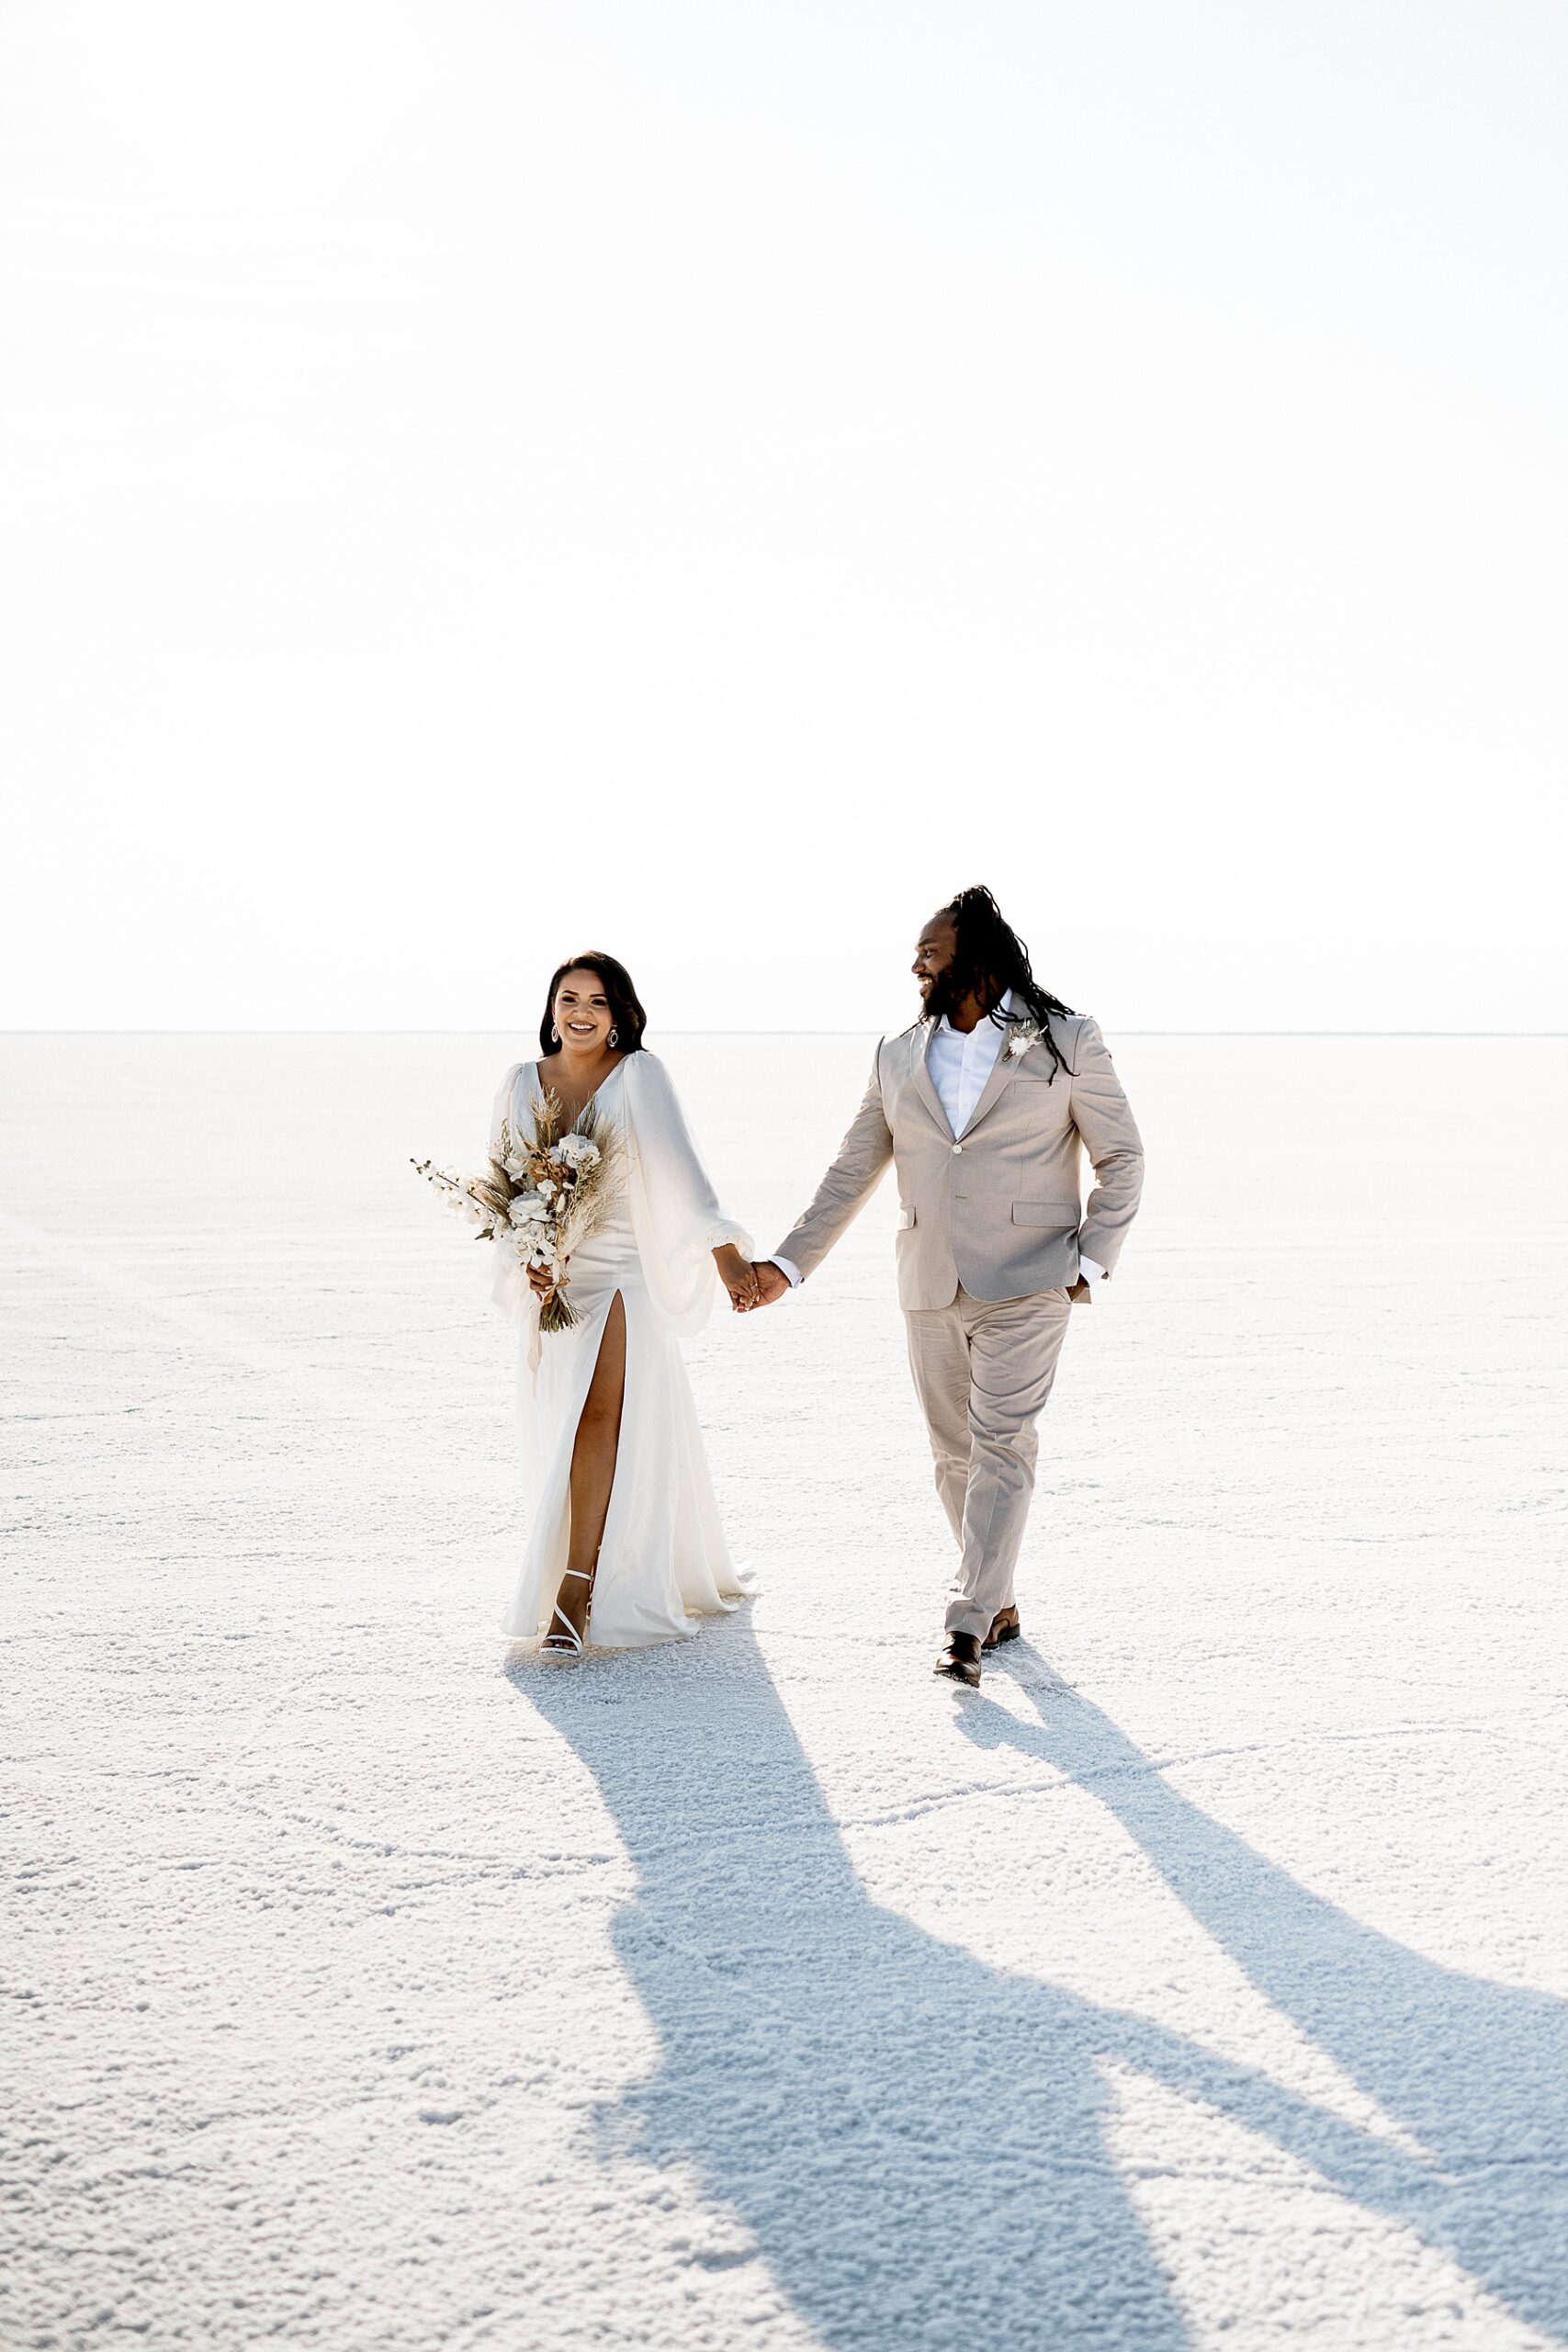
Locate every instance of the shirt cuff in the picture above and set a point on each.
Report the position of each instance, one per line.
(788, 1269)
(1089, 1268)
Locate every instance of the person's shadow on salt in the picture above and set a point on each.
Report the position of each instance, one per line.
(1476, 2071)
(916, 2142)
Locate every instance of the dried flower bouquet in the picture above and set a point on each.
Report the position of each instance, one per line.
(538, 1201)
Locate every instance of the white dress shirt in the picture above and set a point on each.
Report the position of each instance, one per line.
(960, 1062)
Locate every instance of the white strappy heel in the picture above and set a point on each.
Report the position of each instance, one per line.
(568, 1643)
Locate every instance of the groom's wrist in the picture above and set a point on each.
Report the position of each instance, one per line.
(789, 1269)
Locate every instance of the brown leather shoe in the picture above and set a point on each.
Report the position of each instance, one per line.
(1006, 1626)
(960, 1660)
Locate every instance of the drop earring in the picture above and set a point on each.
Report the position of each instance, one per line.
(614, 1036)
(555, 1034)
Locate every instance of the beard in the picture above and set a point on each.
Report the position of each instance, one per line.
(950, 987)
(942, 996)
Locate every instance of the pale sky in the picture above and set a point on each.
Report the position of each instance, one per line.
(483, 480)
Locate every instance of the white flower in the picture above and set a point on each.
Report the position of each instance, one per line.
(577, 1152)
(515, 1166)
(530, 1247)
(529, 1209)
(1023, 1037)
(548, 1188)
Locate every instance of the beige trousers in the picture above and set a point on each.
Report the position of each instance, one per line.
(983, 1368)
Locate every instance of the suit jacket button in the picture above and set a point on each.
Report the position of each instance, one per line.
(958, 1147)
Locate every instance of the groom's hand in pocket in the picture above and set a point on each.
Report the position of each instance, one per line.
(772, 1281)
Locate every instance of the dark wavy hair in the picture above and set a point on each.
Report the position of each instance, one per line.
(989, 960)
(626, 1009)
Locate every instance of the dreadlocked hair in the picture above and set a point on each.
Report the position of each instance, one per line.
(989, 959)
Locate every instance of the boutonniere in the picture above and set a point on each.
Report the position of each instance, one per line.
(1026, 1034)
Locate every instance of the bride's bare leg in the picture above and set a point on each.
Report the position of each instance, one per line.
(594, 1463)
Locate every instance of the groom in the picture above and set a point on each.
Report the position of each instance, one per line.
(983, 1107)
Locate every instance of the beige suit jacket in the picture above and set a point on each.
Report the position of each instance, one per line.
(998, 1207)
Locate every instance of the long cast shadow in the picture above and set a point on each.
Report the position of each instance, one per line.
(917, 2142)
(1476, 2071)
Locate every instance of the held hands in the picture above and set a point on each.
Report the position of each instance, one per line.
(748, 1285)
(772, 1281)
(739, 1279)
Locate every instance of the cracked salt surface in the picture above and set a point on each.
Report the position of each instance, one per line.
(1199, 1981)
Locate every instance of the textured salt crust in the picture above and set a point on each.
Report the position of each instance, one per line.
(1201, 1981)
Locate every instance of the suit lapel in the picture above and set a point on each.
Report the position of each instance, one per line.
(922, 1042)
(1003, 1071)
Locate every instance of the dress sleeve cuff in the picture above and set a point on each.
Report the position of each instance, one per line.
(719, 1237)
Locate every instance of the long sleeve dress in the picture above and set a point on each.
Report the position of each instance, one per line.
(663, 1561)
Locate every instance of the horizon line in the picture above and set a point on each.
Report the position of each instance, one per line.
(767, 1032)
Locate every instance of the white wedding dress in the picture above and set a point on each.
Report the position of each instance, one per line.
(662, 1561)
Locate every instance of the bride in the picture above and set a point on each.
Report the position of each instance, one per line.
(625, 1544)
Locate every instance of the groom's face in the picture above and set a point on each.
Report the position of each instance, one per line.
(934, 952)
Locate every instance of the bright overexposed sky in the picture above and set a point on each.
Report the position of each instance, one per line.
(480, 479)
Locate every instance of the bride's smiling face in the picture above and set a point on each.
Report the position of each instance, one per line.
(581, 1012)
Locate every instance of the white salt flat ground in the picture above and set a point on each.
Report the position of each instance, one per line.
(1201, 1981)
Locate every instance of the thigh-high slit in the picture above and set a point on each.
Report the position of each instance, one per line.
(662, 1561)
(592, 1480)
